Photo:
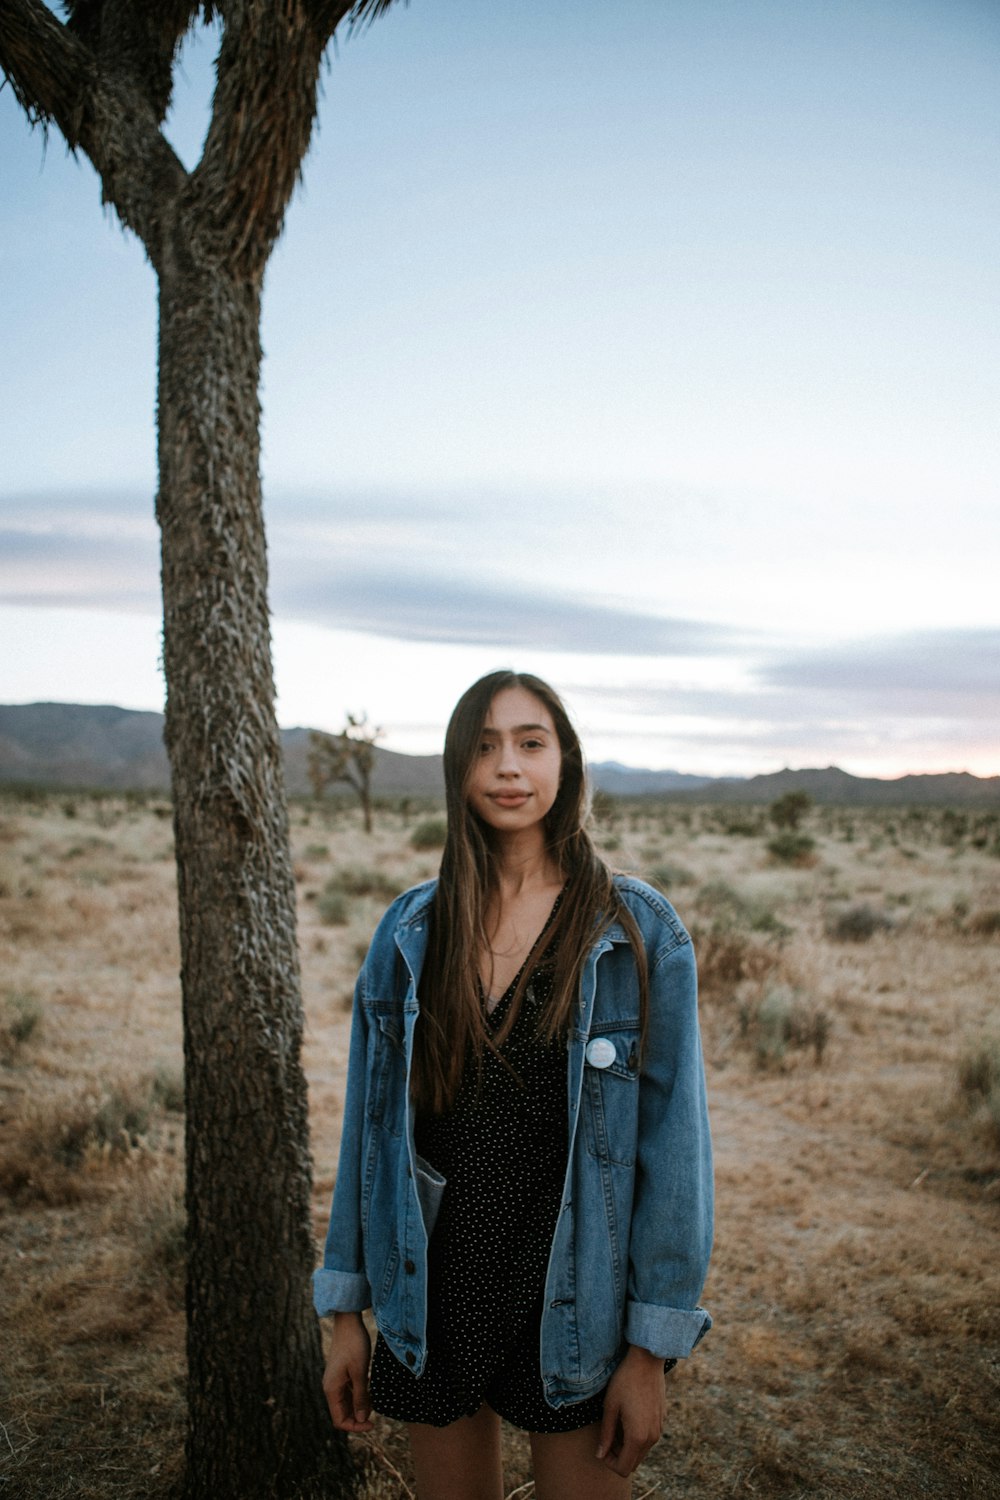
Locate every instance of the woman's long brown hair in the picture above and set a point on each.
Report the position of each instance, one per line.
(451, 1028)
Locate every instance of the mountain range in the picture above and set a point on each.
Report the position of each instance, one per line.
(119, 749)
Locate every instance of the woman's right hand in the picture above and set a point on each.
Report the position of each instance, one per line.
(345, 1379)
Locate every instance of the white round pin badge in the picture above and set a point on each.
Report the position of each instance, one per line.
(600, 1052)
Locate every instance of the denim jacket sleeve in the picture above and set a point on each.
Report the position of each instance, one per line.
(340, 1284)
(672, 1219)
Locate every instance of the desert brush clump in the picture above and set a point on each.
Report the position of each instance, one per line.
(362, 880)
(856, 924)
(984, 923)
(667, 875)
(782, 1018)
(58, 1149)
(728, 958)
(430, 833)
(979, 1080)
(333, 906)
(730, 909)
(791, 848)
(20, 1020)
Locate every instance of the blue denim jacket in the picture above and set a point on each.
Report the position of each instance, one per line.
(632, 1241)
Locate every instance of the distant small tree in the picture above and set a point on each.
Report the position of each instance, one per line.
(348, 756)
(788, 810)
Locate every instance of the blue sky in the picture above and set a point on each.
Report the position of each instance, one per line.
(652, 347)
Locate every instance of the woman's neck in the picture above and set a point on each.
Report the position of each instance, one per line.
(524, 862)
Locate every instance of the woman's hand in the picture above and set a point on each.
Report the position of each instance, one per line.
(345, 1380)
(635, 1409)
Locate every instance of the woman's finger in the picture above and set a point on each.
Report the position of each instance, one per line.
(606, 1441)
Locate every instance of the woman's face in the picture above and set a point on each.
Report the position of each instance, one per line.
(515, 775)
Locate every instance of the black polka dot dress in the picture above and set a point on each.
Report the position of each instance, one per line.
(502, 1148)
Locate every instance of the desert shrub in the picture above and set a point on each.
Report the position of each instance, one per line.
(20, 1018)
(954, 827)
(718, 897)
(604, 807)
(356, 880)
(317, 851)
(740, 825)
(790, 848)
(731, 909)
(727, 958)
(979, 1079)
(985, 923)
(45, 1152)
(857, 924)
(168, 1089)
(160, 1236)
(781, 1019)
(333, 906)
(429, 834)
(666, 876)
(763, 918)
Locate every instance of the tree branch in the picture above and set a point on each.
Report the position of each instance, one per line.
(53, 74)
(263, 113)
(262, 116)
(136, 42)
(57, 79)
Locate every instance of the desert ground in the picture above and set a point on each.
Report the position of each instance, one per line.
(850, 983)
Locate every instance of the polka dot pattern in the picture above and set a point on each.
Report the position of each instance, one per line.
(503, 1149)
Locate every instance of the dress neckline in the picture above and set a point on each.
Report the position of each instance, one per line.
(493, 1004)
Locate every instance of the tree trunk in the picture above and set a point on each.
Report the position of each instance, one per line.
(255, 1405)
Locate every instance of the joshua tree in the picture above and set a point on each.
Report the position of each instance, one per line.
(787, 811)
(348, 756)
(104, 78)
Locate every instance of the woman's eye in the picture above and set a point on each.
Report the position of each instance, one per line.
(533, 745)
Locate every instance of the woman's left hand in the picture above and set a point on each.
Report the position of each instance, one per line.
(635, 1409)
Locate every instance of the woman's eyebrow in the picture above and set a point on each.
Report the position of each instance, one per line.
(520, 729)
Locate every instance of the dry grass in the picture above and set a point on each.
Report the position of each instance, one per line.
(849, 1012)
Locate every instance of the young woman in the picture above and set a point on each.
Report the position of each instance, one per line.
(524, 1196)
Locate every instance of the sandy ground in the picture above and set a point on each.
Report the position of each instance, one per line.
(856, 1279)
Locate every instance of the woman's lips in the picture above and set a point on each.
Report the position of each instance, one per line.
(509, 799)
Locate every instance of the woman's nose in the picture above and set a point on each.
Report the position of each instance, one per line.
(508, 764)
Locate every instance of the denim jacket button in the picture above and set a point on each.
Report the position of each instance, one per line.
(600, 1052)
(411, 1358)
(409, 1267)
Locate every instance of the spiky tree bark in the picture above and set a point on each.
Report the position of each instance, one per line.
(257, 1421)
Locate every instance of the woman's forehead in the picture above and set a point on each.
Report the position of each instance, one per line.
(517, 708)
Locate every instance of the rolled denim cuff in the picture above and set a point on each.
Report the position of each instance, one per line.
(340, 1291)
(668, 1332)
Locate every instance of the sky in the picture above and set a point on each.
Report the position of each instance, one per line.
(654, 348)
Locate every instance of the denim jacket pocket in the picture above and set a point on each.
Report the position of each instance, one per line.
(430, 1190)
(611, 1094)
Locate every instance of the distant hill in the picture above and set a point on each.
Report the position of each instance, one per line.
(628, 781)
(119, 749)
(834, 786)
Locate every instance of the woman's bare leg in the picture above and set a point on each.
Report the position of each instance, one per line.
(460, 1461)
(566, 1469)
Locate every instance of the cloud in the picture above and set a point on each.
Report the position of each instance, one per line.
(92, 557)
(438, 607)
(59, 569)
(945, 675)
(916, 667)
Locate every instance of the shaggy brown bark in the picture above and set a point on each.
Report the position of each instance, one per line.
(257, 1420)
